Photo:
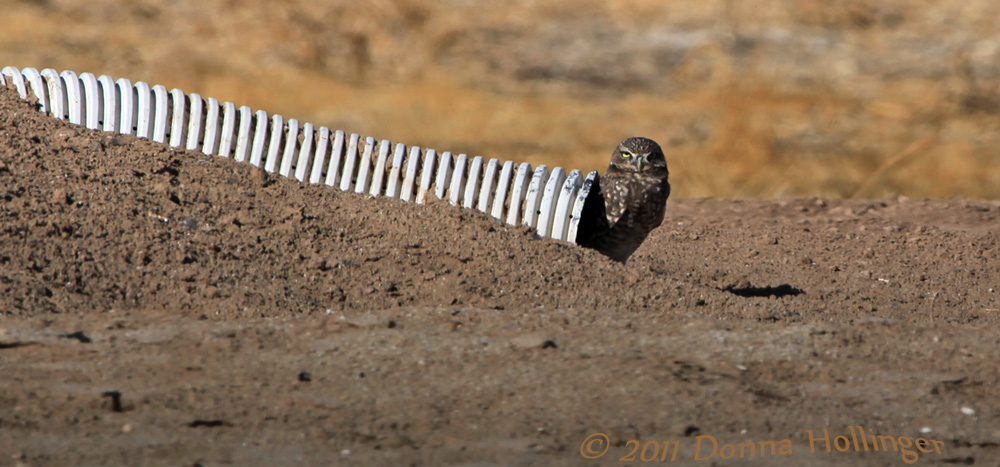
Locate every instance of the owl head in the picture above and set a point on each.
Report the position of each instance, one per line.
(638, 154)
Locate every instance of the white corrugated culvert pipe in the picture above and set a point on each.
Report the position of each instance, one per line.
(549, 200)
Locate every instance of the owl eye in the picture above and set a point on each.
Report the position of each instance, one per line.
(626, 154)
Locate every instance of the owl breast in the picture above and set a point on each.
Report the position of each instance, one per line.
(643, 196)
(634, 205)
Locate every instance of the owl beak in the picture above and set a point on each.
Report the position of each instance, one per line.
(639, 162)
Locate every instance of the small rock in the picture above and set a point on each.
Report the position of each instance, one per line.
(60, 196)
(78, 335)
(528, 341)
(259, 177)
(968, 411)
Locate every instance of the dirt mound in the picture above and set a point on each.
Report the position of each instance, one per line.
(97, 221)
(184, 307)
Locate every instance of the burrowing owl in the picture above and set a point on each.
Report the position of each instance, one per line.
(634, 192)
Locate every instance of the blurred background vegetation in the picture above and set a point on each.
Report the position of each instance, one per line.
(854, 98)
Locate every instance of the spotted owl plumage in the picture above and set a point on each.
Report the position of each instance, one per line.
(628, 202)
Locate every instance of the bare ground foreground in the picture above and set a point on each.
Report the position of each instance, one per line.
(160, 307)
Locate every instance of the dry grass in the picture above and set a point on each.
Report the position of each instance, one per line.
(738, 117)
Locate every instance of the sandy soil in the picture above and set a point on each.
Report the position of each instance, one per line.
(161, 307)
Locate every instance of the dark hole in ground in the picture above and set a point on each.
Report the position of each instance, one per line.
(208, 423)
(782, 290)
(116, 400)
